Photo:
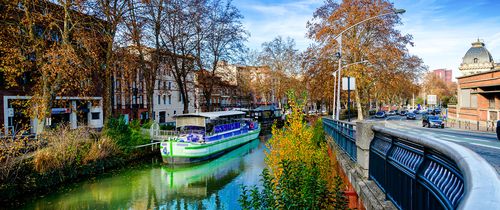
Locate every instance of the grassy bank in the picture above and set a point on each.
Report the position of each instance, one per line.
(66, 155)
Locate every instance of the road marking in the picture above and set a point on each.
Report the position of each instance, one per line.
(482, 145)
(454, 140)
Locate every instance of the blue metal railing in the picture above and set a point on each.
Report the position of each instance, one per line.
(414, 176)
(343, 133)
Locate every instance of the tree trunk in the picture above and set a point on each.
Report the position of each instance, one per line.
(358, 105)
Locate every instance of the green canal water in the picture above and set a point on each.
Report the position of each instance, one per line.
(154, 185)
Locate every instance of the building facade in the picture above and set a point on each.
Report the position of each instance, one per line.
(130, 94)
(443, 74)
(75, 108)
(167, 97)
(478, 88)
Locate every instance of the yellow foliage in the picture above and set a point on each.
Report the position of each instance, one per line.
(294, 143)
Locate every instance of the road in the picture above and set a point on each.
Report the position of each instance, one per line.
(484, 144)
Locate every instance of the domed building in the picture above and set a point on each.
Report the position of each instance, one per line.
(478, 91)
(477, 59)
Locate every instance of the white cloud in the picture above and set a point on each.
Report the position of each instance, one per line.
(442, 30)
(442, 35)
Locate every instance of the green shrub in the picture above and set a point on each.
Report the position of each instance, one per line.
(300, 187)
(147, 124)
(119, 131)
(125, 136)
(135, 124)
(318, 137)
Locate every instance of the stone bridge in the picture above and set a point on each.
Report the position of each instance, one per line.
(389, 169)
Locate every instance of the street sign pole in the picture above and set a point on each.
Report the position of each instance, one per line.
(349, 99)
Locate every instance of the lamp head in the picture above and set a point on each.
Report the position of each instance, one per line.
(399, 11)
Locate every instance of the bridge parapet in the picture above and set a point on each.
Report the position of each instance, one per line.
(417, 172)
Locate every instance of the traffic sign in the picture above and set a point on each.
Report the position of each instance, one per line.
(348, 80)
(432, 99)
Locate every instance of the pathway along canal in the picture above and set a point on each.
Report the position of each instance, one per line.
(154, 185)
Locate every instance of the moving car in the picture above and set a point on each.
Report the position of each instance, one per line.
(432, 121)
(411, 116)
(380, 114)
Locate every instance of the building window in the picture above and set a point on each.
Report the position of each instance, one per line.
(164, 85)
(169, 99)
(475, 60)
(158, 99)
(169, 85)
(159, 84)
(164, 99)
(492, 102)
(95, 115)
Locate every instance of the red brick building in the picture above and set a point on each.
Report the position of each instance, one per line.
(478, 98)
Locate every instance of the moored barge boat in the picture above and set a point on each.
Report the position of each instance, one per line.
(206, 135)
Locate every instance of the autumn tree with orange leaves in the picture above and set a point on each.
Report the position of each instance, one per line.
(433, 85)
(392, 69)
(49, 48)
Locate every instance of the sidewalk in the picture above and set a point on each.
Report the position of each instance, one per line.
(471, 126)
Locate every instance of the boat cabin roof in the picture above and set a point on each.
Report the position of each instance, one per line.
(211, 115)
(199, 119)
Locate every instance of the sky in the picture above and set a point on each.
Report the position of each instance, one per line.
(442, 30)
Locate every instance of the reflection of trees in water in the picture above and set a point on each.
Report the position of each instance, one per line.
(145, 187)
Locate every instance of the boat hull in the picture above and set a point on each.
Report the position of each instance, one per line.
(174, 152)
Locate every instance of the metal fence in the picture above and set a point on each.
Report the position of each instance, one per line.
(489, 125)
(426, 173)
(343, 133)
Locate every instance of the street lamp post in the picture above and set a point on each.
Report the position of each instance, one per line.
(339, 54)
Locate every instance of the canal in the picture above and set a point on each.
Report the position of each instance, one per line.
(154, 185)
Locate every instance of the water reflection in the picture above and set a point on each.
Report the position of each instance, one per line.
(211, 185)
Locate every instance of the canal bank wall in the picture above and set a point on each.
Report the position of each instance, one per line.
(30, 183)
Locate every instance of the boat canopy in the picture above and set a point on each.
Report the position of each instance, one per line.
(199, 119)
(211, 115)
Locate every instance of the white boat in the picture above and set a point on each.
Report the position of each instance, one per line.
(206, 135)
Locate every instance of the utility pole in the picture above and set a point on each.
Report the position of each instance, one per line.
(339, 55)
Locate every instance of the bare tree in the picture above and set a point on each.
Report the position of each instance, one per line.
(112, 12)
(179, 43)
(222, 40)
(284, 60)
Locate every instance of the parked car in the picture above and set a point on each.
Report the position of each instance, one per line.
(411, 116)
(415, 111)
(498, 130)
(402, 112)
(392, 112)
(432, 121)
(380, 114)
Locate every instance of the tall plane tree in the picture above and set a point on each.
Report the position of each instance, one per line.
(376, 41)
(284, 61)
(50, 42)
(179, 43)
(113, 12)
(220, 37)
